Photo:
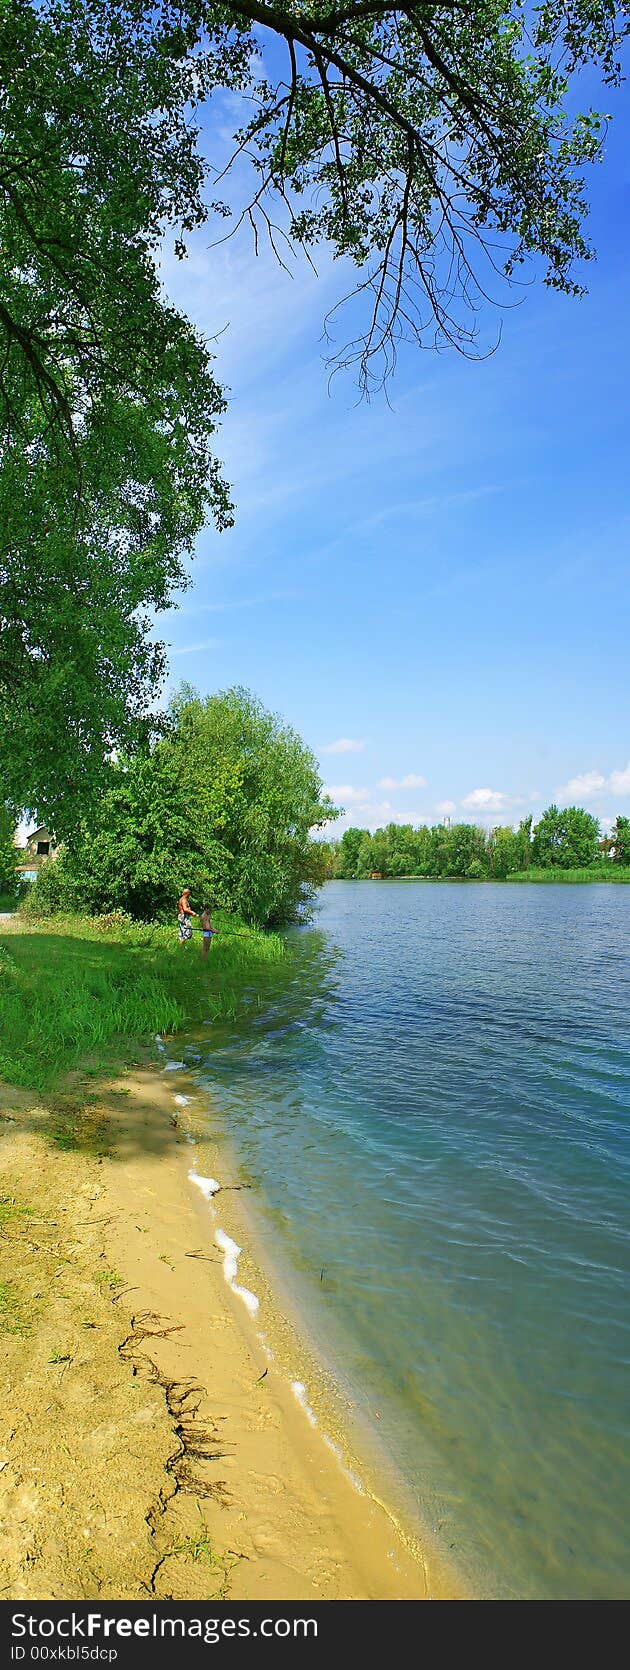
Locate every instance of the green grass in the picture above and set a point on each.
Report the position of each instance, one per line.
(10, 1209)
(199, 1549)
(594, 872)
(108, 1281)
(71, 992)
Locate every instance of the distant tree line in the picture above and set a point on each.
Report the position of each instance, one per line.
(564, 839)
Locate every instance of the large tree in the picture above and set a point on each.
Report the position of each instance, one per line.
(107, 401)
(427, 145)
(224, 803)
(566, 837)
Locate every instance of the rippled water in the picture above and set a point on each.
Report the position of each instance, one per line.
(433, 1100)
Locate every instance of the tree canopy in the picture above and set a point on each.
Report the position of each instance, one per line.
(107, 405)
(566, 839)
(430, 144)
(224, 804)
(429, 147)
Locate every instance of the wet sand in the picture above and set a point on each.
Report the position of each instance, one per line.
(156, 1438)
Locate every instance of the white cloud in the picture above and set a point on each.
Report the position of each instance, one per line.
(485, 800)
(360, 809)
(445, 807)
(590, 783)
(341, 792)
(343, 745)
(619, 781)
(411, 781)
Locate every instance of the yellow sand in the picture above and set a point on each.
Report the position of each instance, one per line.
(150, 1444)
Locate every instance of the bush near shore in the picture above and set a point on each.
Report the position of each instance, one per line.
(75, 988)
(224, 802)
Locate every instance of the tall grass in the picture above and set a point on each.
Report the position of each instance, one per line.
(605, 872)
(74, 990)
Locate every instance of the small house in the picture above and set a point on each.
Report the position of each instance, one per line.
(41, 843)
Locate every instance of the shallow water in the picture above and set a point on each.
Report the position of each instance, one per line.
(433, 1103)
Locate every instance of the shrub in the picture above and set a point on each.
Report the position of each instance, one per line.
(113, 921)
(475, 870)
(53, 891)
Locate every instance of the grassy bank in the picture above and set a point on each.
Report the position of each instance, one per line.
(591, 873)
(74, 989)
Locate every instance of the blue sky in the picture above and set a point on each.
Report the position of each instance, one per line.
(433, 592)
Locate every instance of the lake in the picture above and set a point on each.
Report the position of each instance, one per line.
(433, 1099)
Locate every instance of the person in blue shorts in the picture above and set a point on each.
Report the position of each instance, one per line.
(207, 931)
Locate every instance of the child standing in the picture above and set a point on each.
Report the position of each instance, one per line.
(207, 931)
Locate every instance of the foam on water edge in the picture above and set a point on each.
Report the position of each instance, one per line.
(231, 1254)
(207, 1185)
(299, 1392)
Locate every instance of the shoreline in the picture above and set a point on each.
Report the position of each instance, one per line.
(216, 1419)
(517, 878)
(327, 1399)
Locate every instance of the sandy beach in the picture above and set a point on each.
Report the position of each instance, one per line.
(157, 1435)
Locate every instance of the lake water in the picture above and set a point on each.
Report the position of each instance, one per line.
(433, 1099)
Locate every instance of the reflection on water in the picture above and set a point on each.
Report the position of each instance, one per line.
(433, 1099)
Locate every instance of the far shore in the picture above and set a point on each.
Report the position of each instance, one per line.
(171, 1454)
(544, 878)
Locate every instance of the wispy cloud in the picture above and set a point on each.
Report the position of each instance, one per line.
(413, 780)
(343, 745)
(261, 601)
(445, 807)
(194, 649)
